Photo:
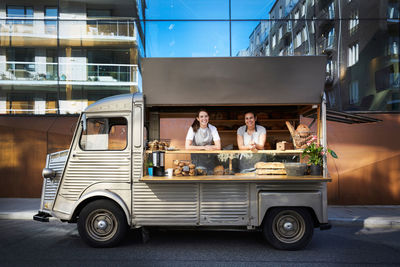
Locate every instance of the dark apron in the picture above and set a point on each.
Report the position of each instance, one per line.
(208, 162)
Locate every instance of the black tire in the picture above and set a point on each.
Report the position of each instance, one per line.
(102, 223)
(288, 228)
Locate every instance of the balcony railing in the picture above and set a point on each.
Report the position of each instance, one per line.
(289, 7)
(326, 45)
(14, 72)
(14, 33)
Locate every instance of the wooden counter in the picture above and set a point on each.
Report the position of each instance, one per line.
(235, 178)
(275, 152)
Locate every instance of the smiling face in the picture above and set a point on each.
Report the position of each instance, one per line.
(203, 119)
(250, 120)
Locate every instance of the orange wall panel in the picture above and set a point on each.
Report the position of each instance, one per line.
(368, 168)
(24, 144)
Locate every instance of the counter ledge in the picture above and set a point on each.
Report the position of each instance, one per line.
(241, 178)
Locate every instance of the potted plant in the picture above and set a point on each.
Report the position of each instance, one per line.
(315, 153)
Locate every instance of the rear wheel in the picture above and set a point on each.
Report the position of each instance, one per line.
(102, 223)
(288, 228)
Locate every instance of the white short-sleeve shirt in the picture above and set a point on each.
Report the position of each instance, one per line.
(213, 129)
(255, 136)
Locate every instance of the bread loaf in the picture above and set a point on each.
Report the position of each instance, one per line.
(303, 130)
(219, 170)
(269, 165)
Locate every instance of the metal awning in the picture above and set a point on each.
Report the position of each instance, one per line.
(293, 80)
(343, 117)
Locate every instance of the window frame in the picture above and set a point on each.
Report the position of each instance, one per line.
(22, 19)
(108, 131)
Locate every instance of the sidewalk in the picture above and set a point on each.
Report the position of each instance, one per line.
(385, 217)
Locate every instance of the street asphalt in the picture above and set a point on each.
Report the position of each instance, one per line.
(383, 217)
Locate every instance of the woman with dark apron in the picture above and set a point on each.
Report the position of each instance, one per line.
(203, 136)
(250, 137)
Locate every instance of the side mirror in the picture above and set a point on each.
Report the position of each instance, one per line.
(48, 173)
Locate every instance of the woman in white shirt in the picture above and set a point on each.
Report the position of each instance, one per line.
(203, 136)
(251, 137)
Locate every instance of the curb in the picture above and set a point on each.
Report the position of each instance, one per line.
(370, 223)
(22, 215)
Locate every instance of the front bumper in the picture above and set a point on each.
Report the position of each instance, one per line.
(42, 217)
(325, 226)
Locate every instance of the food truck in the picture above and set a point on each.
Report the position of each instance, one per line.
(103, 182)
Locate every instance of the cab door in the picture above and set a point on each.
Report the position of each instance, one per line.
(100, 159)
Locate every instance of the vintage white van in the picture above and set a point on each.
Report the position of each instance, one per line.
(102, 184)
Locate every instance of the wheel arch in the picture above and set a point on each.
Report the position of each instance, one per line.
(312, 201)
(97, 195)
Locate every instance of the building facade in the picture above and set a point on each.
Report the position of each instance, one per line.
(359, 38)
(57, 57)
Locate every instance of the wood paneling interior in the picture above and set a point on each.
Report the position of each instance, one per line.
(175, 124)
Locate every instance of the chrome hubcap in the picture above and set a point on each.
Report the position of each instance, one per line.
(101, 225)
(288, 226)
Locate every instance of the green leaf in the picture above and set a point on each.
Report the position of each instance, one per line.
(333, 153)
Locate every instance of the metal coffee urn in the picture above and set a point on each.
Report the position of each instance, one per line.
(158, 163)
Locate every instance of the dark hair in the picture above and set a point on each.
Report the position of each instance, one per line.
(196, 123)
(255, 117)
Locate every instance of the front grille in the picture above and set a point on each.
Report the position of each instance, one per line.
(57, 163)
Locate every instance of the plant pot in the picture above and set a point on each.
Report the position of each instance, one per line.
(295, 169)
(315, 170)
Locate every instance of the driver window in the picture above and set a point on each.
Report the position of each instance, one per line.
(104, 134)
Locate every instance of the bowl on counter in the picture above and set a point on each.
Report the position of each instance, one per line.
(295, 168)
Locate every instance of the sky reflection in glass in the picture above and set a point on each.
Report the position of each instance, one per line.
(209, 36)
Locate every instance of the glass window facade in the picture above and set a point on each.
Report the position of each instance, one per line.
(67, 54)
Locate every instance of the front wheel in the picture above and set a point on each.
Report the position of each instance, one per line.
(102, 223)
(288, 228)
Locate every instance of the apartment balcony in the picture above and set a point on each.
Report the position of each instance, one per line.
(326, 45)
(290, 6)
(42, 74)
(329, 78)
(71, 33)
(287, 32)
(325, 18)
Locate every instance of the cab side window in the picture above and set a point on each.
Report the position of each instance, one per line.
(104, 134)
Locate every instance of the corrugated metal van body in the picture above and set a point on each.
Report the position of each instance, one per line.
(190, 204)
(55, 161)
(165, 204)
(86, 168)
(224, 204)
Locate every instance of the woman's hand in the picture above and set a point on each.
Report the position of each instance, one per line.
(253, 146)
